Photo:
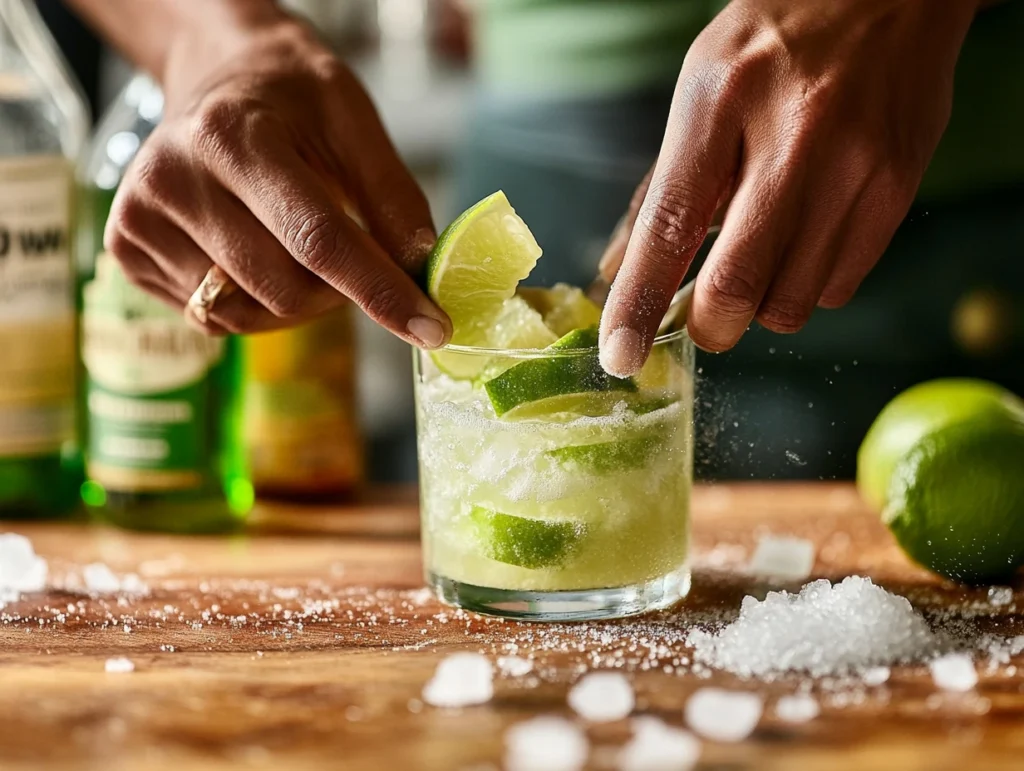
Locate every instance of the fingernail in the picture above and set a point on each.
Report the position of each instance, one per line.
(427, 330)
(622, 354)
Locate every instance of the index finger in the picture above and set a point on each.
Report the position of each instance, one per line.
(698, 157)
(292, 202)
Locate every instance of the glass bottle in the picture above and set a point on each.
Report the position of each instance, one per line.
(162, 401)
(301, 427)
(43, 124)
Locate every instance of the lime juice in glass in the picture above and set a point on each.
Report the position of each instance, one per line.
(550, 490)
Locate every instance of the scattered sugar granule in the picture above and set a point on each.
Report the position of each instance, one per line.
(545, 743)
(954, 672)
(656, 746)
(797, 708)
(875, 675)
(999, 596)
(724, 716)
(100, 579)
(823, 630)
(21, 569)
(461, 679)
(602, 696)
(783, 557)
(514, 666)
(119, 666)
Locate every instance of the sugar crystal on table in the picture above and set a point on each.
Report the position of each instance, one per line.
(822, 630)
(783, 557)
(1000, 596)
(514, 666)
(724, 716)
(21, 570)
(461, 680)
(602, 696)
(657, 746)
(797, 708)
(546, 743)
(954, 672)
(119, 666)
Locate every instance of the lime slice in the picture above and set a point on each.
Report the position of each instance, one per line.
(476, 265)
(524, 542)
(563, 307)
(518, 326)
(956, 500)
(917, 412)
(558, 384)
(608, 457)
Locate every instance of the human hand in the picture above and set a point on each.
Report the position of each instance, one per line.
(812, 124)
(266, 138)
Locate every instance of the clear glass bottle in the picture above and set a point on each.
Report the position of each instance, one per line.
(161, 401)
(43, 124)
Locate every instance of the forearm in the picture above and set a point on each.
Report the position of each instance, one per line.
(151, 32)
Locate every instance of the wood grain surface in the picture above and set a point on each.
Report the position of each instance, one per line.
(306, 644)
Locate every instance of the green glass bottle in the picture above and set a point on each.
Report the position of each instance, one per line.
(43, 123)
(161, 401)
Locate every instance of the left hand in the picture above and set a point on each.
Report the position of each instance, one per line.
(813, 122)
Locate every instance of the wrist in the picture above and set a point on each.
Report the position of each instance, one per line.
(200, 43)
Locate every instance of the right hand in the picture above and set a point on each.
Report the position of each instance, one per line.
(264, 137)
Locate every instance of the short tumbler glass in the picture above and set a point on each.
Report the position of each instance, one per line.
(569, 507)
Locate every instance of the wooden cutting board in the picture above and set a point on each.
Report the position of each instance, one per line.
(306, 644)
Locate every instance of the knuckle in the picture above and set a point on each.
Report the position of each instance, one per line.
(379, 299)
(783, 315)
(675, 217)
(224, 126)
(318, 243)
(156, 176)
(127, 222)
(731, 294)
(282, 300)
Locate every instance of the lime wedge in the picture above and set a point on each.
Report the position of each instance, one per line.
(608, 457)
(476, 265)
(526, 543)
(557, 384)
(517, 327)
(563, 307)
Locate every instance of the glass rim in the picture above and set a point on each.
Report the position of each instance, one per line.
(547, 353)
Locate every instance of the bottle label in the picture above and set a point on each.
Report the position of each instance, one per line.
(147, 390)
(37, 315)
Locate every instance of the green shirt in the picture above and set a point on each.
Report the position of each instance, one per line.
(603, 48)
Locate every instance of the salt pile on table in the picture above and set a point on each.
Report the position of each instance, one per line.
(954, 672)
(21, 570)
(119, 666)
(602, 696)
(723, 716)
(546, 743)
(797, 708)
(461, 680)
(783, 557)
(823, 630)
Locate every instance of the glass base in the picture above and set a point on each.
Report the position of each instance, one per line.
(576, 605)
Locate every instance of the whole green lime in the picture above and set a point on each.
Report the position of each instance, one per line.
(917, 412)
(956, 500)
(944, 463)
